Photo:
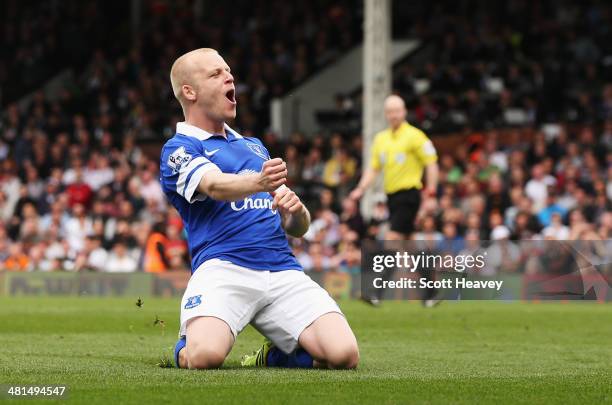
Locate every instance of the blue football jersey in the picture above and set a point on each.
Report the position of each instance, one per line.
(248, 232)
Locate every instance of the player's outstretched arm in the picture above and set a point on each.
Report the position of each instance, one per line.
(294, 214)
(233, 187)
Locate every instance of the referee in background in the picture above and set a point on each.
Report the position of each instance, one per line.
(402, 152)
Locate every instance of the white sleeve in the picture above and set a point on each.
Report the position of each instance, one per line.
(190, 176)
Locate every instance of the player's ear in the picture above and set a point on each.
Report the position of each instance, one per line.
(188, 92)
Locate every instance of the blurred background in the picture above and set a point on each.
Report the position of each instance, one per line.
(515, 95)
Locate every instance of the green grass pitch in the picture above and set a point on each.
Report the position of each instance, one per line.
(459, 353)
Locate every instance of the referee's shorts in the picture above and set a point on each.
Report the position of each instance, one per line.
(403, 208)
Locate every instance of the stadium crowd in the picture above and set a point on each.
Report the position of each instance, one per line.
(127, 85)
(516, 63)
(92, 204)
(79, 192)
(38, 39)
(499, 64)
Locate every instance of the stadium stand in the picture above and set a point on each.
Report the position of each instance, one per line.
(526, 85)
(39, 39)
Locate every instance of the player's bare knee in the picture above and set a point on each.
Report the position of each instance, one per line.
(346, 357)
(204, 358)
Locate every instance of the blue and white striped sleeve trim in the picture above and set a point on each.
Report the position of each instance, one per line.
(190, 176)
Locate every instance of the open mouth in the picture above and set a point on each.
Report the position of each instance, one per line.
(231, 96)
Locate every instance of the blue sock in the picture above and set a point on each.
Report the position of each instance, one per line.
(299, 358)
(177, 348)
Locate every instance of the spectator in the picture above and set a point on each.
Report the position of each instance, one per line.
(352, 217)
(320, 261)
(503, 256)
(294, 168)
(150, 189)
(176, 248)
(301, 255)
(552, 208)
(155, 258)
(77, 228)
(428, 230)
(16, 260)
(348, 260)
(79, 192)
(340, 169)
(312, 171)
(537, 188)
(10, 186)
(119, 261)
(93, 257)
(98, 173)
(556, 230)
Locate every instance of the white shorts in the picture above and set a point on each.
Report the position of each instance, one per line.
(280, 305)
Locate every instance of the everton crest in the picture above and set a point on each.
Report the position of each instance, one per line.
(258, 150)
(193, 302)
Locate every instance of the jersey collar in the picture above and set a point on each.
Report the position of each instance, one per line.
(198, 133)
(399, 129)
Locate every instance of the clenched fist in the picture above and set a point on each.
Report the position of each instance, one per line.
(286, 201)
(273, 175)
